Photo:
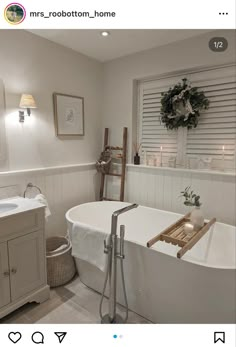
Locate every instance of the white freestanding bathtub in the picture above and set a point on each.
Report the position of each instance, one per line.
(199, 288)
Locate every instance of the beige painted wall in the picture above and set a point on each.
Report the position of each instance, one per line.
(119, 74)
(39, 67)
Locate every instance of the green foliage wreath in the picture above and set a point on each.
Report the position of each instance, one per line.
(181, 106)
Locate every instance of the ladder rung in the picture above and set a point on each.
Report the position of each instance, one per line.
(121, 156)
(114, 148)
(114, 174)
(107, 199)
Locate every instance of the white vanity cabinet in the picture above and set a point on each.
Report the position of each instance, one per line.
(5, 297)
(23, 276)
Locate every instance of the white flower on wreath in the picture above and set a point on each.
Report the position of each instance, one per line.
(183, 108)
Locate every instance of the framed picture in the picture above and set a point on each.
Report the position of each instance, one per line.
(68, 114)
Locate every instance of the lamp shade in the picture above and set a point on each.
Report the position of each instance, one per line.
(27, 101)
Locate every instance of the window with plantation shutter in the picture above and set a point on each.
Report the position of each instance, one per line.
(214, 138)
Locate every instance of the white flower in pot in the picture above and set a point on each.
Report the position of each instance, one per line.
(192, 199)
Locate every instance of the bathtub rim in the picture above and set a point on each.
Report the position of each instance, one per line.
(184, 258)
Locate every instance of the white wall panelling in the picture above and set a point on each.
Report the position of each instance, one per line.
(160, 188)
(64, 188)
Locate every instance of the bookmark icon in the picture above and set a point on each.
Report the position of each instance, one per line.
(219, 336)
(60, 335)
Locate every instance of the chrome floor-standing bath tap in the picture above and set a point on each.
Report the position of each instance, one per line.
(111, 250)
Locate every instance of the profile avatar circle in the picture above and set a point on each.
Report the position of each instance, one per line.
(14, 13)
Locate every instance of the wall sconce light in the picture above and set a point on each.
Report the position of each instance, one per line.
(27, 101)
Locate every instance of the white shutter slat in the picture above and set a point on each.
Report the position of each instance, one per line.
(210, 146)
(219, 103)
(228, 91)
(147, 115)
(212, 131)
(160, 131)
(152, 103)
(222, 97)
(211, 141)
(208, 152)
(151, 97)
(167, 152)
(160, 141)
(152, 109)
(212, 82)
(217, 121)
(157, 145)
(151, 121)
(220, 110)
(224, 109)
(225, 115)
(218, 124)
(157, 90)
(211, 136)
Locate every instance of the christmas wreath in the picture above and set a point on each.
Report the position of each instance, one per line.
(181, 106)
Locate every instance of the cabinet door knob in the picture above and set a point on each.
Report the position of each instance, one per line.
(13, 270)
(6, 273)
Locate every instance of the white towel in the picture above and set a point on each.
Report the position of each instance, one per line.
(88, 244)
(42, 199)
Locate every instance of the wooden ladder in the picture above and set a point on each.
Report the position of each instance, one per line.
(123, 163)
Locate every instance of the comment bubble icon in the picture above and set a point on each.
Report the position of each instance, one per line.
(38, 338)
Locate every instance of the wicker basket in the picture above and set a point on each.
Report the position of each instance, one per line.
(60, 263)
(104, 162)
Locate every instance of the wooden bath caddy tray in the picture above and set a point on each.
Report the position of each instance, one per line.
(175, 234)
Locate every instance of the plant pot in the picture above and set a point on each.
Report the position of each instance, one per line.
(197, 218)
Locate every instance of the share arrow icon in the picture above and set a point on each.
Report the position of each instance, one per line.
(60, 336)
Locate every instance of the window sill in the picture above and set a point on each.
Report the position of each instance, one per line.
(182, 170)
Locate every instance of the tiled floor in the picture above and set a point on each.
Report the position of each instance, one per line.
(73, 303)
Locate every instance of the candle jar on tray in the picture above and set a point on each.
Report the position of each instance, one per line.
(188, 228)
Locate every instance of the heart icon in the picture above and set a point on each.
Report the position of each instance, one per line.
(14, 337)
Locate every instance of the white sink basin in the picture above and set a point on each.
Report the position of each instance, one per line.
(5, 207)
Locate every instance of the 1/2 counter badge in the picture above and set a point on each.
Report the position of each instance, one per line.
(218, 44)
